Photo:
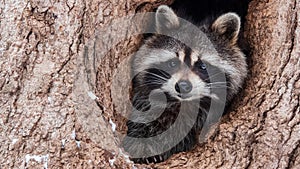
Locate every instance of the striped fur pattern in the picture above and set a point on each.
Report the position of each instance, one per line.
(181, 73)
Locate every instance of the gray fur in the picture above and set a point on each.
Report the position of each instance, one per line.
(165, 19)
(223, 33)
(158, 49)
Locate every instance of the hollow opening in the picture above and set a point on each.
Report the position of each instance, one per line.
(114, 69)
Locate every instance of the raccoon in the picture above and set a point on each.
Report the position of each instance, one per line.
(172, 83)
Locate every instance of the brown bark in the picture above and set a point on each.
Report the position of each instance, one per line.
(43, 122)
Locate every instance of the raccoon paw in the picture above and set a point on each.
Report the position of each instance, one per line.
(148, 160)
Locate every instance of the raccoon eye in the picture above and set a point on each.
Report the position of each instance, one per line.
(172, 63)
(202, 66)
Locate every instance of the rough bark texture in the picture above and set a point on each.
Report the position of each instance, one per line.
(43, 124)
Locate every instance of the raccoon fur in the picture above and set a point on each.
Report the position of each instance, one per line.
(171, 77)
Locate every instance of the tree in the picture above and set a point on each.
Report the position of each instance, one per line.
(42, 48)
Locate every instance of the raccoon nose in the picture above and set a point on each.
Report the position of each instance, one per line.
(183, 86)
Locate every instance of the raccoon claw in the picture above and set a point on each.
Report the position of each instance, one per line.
(148, 160)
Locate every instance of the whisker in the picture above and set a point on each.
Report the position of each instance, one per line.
(220, 87)
(213, 75)
(148, 85)
(154, 80)
(206, 87)
(217, 83)
(153, 74)
(163, 72)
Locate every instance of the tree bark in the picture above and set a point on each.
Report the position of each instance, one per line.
(56, 105)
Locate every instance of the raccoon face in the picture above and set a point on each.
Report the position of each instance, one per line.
(188, 82)
(183, 76)
(167, 64)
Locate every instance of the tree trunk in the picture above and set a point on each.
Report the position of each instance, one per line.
(56, 97)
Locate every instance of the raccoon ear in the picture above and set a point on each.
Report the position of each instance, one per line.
(227, 25)
(165, 19)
